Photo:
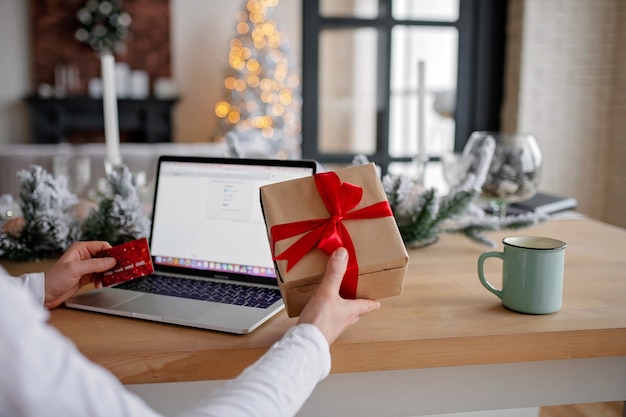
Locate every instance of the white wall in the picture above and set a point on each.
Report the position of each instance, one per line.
(565, 85)
(201, 31)
(15, 82)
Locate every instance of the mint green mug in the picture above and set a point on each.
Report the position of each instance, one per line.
(532, 274)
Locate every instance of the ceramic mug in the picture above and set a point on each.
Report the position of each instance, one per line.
(532, 274)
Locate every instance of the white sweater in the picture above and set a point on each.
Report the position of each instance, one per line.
(43, 374)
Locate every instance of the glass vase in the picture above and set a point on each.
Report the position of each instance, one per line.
(515, 169)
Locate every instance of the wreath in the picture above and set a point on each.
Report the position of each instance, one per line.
(103, 25)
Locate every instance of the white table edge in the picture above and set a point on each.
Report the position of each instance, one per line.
(419, 392)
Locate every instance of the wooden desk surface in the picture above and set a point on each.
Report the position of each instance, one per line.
(444, 318)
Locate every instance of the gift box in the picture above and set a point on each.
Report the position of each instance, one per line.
(308, 218)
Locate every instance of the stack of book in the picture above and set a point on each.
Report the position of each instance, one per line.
(543, 203)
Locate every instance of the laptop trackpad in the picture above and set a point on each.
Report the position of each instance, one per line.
(163, 306)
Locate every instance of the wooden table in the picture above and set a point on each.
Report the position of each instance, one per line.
(444, 333)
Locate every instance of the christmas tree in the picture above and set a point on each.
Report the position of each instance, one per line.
(262, 103)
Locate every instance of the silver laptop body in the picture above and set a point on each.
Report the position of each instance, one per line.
(207, 226)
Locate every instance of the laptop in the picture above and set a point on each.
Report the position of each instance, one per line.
(209, 246)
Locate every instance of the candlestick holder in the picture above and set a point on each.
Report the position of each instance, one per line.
(419, 163)
(110, 166)
(76, 169)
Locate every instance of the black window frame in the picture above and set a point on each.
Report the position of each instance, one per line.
(481, 56)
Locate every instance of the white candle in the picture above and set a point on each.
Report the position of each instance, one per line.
(421, 91)
(109, 99)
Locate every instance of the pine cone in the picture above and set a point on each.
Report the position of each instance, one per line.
(14, 226)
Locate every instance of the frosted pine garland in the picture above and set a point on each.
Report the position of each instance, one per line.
(422, 215)
(48, 225)
(120, 216)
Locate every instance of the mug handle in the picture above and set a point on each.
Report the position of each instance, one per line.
(481, 274)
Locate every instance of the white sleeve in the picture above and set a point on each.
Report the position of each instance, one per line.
(35, 284)
(44, 374)
(278, 384)
(42, 370)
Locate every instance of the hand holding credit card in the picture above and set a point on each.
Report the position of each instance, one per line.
(133, 261)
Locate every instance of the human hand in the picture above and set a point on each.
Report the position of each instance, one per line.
(73, 270)
(326, 309)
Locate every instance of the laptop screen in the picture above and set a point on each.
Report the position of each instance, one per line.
(207, 216)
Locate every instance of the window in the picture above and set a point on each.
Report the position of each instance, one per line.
(360, 77)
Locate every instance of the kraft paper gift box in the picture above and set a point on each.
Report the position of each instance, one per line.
(303, 233)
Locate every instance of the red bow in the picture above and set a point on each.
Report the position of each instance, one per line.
(330, 233)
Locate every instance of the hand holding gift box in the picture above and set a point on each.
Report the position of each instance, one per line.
(308, 218)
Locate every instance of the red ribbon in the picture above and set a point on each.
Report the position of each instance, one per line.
(330, 233)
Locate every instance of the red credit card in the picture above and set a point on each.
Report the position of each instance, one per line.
(133, 261)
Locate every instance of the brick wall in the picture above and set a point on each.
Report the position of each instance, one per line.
(565, 83)
(53, 23)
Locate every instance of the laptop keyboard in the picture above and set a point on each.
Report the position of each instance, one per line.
(220, 292)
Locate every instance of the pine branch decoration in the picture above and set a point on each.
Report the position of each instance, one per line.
(476, 228)
(417, 224)
(454, 205)
(120, 217)
(421, 215)
(47, 226)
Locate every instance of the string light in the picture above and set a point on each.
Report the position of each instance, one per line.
(229, 83)
(243, 28)
(253, 81)
(222, 108)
